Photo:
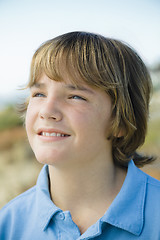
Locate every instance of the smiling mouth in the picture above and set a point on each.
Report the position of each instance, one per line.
(53, 134)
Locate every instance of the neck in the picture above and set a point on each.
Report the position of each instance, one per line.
(88, 185)
(86, 191)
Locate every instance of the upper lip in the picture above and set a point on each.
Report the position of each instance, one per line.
(51, 130)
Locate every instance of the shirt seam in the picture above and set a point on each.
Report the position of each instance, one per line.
(153, 184)
(151, 180)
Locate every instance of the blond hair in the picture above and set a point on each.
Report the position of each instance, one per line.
(112, 66)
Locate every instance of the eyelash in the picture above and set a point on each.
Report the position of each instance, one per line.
(76, 97)
(38, 95)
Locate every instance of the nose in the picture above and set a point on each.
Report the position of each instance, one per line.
(51, 110)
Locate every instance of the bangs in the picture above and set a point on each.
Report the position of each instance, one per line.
(83, 61)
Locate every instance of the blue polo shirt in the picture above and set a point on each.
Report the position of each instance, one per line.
(134, 213)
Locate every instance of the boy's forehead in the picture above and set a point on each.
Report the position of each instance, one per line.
(69, 78)
(66, 84)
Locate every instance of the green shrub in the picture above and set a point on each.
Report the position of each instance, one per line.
(9, 118)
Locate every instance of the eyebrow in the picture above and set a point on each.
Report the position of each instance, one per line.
(38, 85)
(81, 88)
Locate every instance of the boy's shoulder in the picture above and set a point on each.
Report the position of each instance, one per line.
(152, 181)
(16, 216)
(153, 186)
(19, 203)
(26, 203)
(139, 173)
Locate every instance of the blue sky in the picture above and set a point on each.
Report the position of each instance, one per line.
(25, 24)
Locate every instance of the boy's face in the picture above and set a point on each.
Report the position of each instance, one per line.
(68, 125)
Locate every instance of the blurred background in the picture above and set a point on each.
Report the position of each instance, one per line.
(24, 25)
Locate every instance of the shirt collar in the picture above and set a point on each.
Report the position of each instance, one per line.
(127, 209)
(46, 209)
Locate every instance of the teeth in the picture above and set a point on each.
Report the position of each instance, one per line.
(52, 134)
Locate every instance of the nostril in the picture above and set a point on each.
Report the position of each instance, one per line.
(56, 115)
(41, 116)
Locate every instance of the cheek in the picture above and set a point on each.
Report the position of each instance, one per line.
(103, 125)
(29, 119)
(90, 126)
(27, 125)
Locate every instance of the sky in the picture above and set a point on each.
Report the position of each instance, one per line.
(25, 24)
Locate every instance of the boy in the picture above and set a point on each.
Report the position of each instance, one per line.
(86, 116)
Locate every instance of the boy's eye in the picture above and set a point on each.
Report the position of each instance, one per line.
(38, 95)
(76, 97)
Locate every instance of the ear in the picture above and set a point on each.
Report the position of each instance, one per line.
(121, 133)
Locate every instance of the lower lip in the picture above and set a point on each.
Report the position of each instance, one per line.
(52, 138)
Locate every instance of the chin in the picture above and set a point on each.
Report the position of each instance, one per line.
(49, 158)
